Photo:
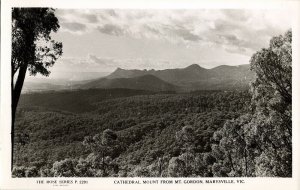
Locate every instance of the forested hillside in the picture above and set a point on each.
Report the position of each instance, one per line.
(136, 133)
(146, 125)
(144, 82)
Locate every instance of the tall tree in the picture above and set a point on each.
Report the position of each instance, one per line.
(260, 143)
(272, 97)
(32, 49)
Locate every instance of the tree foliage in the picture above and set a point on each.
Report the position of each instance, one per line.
(146, 126)
(260, 143)
(32, 45)
(103, 147)
(32, 49)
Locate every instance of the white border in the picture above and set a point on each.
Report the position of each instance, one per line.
(6, 182)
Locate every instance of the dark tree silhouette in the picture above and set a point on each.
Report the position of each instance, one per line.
(32, 49)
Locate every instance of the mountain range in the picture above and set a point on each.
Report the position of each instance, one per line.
(191, 78)
(143, 82)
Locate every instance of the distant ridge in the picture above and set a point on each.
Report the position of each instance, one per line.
(195, 77)
(190, 73)
(191, 78)
(144, 82)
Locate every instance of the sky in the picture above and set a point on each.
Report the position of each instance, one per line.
(101, 40)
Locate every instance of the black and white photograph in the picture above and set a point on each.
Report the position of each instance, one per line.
(151, 93)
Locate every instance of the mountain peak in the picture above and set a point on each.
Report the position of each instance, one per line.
(193, 77)
(194, 66)
(119, 69)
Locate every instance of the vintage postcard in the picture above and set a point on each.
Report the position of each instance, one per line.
(136, 94)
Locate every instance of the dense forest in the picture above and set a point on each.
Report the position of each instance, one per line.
(137, 133)
(145, 125)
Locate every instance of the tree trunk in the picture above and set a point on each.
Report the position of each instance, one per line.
(246, 163)
(16, 92)
(103, 165)
(160, 167)
(231, 163)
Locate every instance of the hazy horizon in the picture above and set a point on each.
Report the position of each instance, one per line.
(88, 75)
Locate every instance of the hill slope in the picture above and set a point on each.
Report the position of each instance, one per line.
(144, 82)
(194, 77)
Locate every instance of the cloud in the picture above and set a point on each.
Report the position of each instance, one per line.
(111, 12)
(238, 50)
(93, 63)
(91, 18)
(73, 26)
(89, 63)
(240, 15)
(235, 30)
(234, 44)
(111, 29)
(93, 59)
(77, 21)
(186, 34)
